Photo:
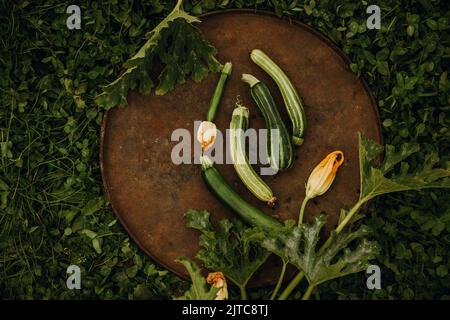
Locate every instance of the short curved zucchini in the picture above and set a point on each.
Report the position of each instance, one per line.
(222, 190)
(253, 182)
(291, 98)
(280, 149)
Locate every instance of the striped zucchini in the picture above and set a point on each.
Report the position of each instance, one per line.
(253, 182)
(222, 190)
(282, 146)
(291, 98)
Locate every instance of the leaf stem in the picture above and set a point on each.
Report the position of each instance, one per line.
(296, 280)
(302, 211)
(350, 214)
(308, 292)
(291, 286)
(243, 292)
(177, 6)
(280, 281)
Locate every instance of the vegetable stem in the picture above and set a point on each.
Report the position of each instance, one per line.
(308, 292)
(250, 79)
(218, 92)
(280, 281)
(302, 211)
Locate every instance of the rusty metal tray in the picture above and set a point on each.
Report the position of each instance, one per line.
(150, 194)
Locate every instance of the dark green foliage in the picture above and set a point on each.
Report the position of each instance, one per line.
(226, 248)
(175, 44)
(50, 188)
(299, 246)
(375, 180)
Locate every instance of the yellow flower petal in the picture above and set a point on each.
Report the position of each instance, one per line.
(322, 177)
(217, 279)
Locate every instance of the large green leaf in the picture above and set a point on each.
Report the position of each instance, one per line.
(176, 44)
(382, 179)
(299, 246)
(227, 249)
(199, 290)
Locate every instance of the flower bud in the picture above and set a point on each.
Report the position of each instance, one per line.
(217, 279)
(206, 134)
(323, 175)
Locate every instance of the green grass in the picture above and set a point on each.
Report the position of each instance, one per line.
(52, 209)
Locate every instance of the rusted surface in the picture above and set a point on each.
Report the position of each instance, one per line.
(150, 194)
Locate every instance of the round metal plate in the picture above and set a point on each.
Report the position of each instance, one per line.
(150, 194)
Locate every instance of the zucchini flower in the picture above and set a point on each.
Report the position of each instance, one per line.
(321, 178)
(323, 175)
(206, 134)
(217, 279)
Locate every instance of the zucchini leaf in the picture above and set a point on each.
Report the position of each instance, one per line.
(374, 180)
(227, 248)
(199, 289)
(177, 46)
(298, 246)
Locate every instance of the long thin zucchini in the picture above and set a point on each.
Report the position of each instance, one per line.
(227, 195)
(291, 98)
(281, 147)
(217, 95)
(253, 182)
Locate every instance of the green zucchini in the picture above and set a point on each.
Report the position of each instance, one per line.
(291, 98)
(222, 190)
(217, 95)
(253, 182)
(283, 146)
